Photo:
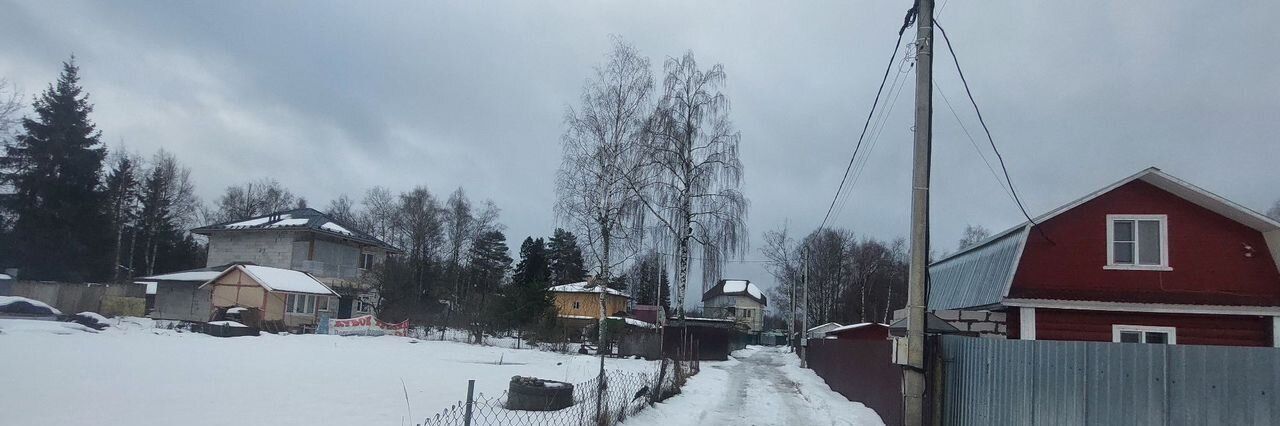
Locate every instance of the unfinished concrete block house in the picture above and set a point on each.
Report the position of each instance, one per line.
(1148, 259)
(304, 240)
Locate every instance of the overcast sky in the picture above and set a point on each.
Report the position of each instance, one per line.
(335, 97)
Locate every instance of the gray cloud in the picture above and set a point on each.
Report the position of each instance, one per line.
(335, 97)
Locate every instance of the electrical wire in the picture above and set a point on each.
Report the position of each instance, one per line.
(895, 89)
(906, 22)
(990, 139)
(973, 142)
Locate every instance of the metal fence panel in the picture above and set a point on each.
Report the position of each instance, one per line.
(1011, 382)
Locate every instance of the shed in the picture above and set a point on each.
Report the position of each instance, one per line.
(861, 331)
(296, 298)
(821, 331)
(711, 338)
(179, 295)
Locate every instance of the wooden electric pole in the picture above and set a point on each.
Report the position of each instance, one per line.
(804, 327)
(913, 389)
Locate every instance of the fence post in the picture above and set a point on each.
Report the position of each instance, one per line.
(471, 389)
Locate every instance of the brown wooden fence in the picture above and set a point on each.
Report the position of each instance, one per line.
(862, 371)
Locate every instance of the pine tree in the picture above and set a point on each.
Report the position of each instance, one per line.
(565, 258)
(54, 168)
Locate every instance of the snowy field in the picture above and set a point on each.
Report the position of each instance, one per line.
(134, 374)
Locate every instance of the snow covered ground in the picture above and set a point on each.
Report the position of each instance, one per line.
(134, 374)
(760, 386)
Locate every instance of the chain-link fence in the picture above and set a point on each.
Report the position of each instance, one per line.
(602, 401)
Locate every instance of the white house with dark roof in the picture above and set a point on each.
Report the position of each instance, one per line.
(304, 240)
(739, 300)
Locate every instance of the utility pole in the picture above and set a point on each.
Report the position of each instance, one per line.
(794, 336)
(913, 389)
(804, 328)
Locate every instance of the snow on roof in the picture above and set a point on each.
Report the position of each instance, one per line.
(292, 222)
(584, 287)
(827, 325)
(228, 324)
(736, 288)
(5, 277)
(285, 280)
(332, 226)
(854, 326)
(9, 300)
(303, 218)
(635, 322)
(198, 275)
(252, 222)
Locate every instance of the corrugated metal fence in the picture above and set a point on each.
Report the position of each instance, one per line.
(1018, 382)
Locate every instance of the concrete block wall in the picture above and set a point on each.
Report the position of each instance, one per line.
(267, 248)
(985, 323)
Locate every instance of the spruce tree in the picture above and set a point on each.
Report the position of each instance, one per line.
(54, 168)
(527, 301)
(534, 266)
(565, 258)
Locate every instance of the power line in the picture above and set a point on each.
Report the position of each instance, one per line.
(951, 48)
(906, 22)
(972, 142)
(876, 130)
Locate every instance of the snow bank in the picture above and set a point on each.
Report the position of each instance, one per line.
(9, 328)
(16, 303)
(94, 316)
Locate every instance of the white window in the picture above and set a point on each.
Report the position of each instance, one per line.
(1138, 242)
(300, 304)
(746, 313)
(1144, 334)
(322, 303)
(366, 261)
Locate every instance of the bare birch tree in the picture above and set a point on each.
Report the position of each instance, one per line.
(601, 152)
(692, 173)
(10, 107)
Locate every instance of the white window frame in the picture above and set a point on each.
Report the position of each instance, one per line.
(300, 305)
(363, 265)
(1164, 242)
(1116, 329)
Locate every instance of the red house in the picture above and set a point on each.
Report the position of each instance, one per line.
(1148, 259)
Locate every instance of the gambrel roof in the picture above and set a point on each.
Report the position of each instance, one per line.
(980, 276)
